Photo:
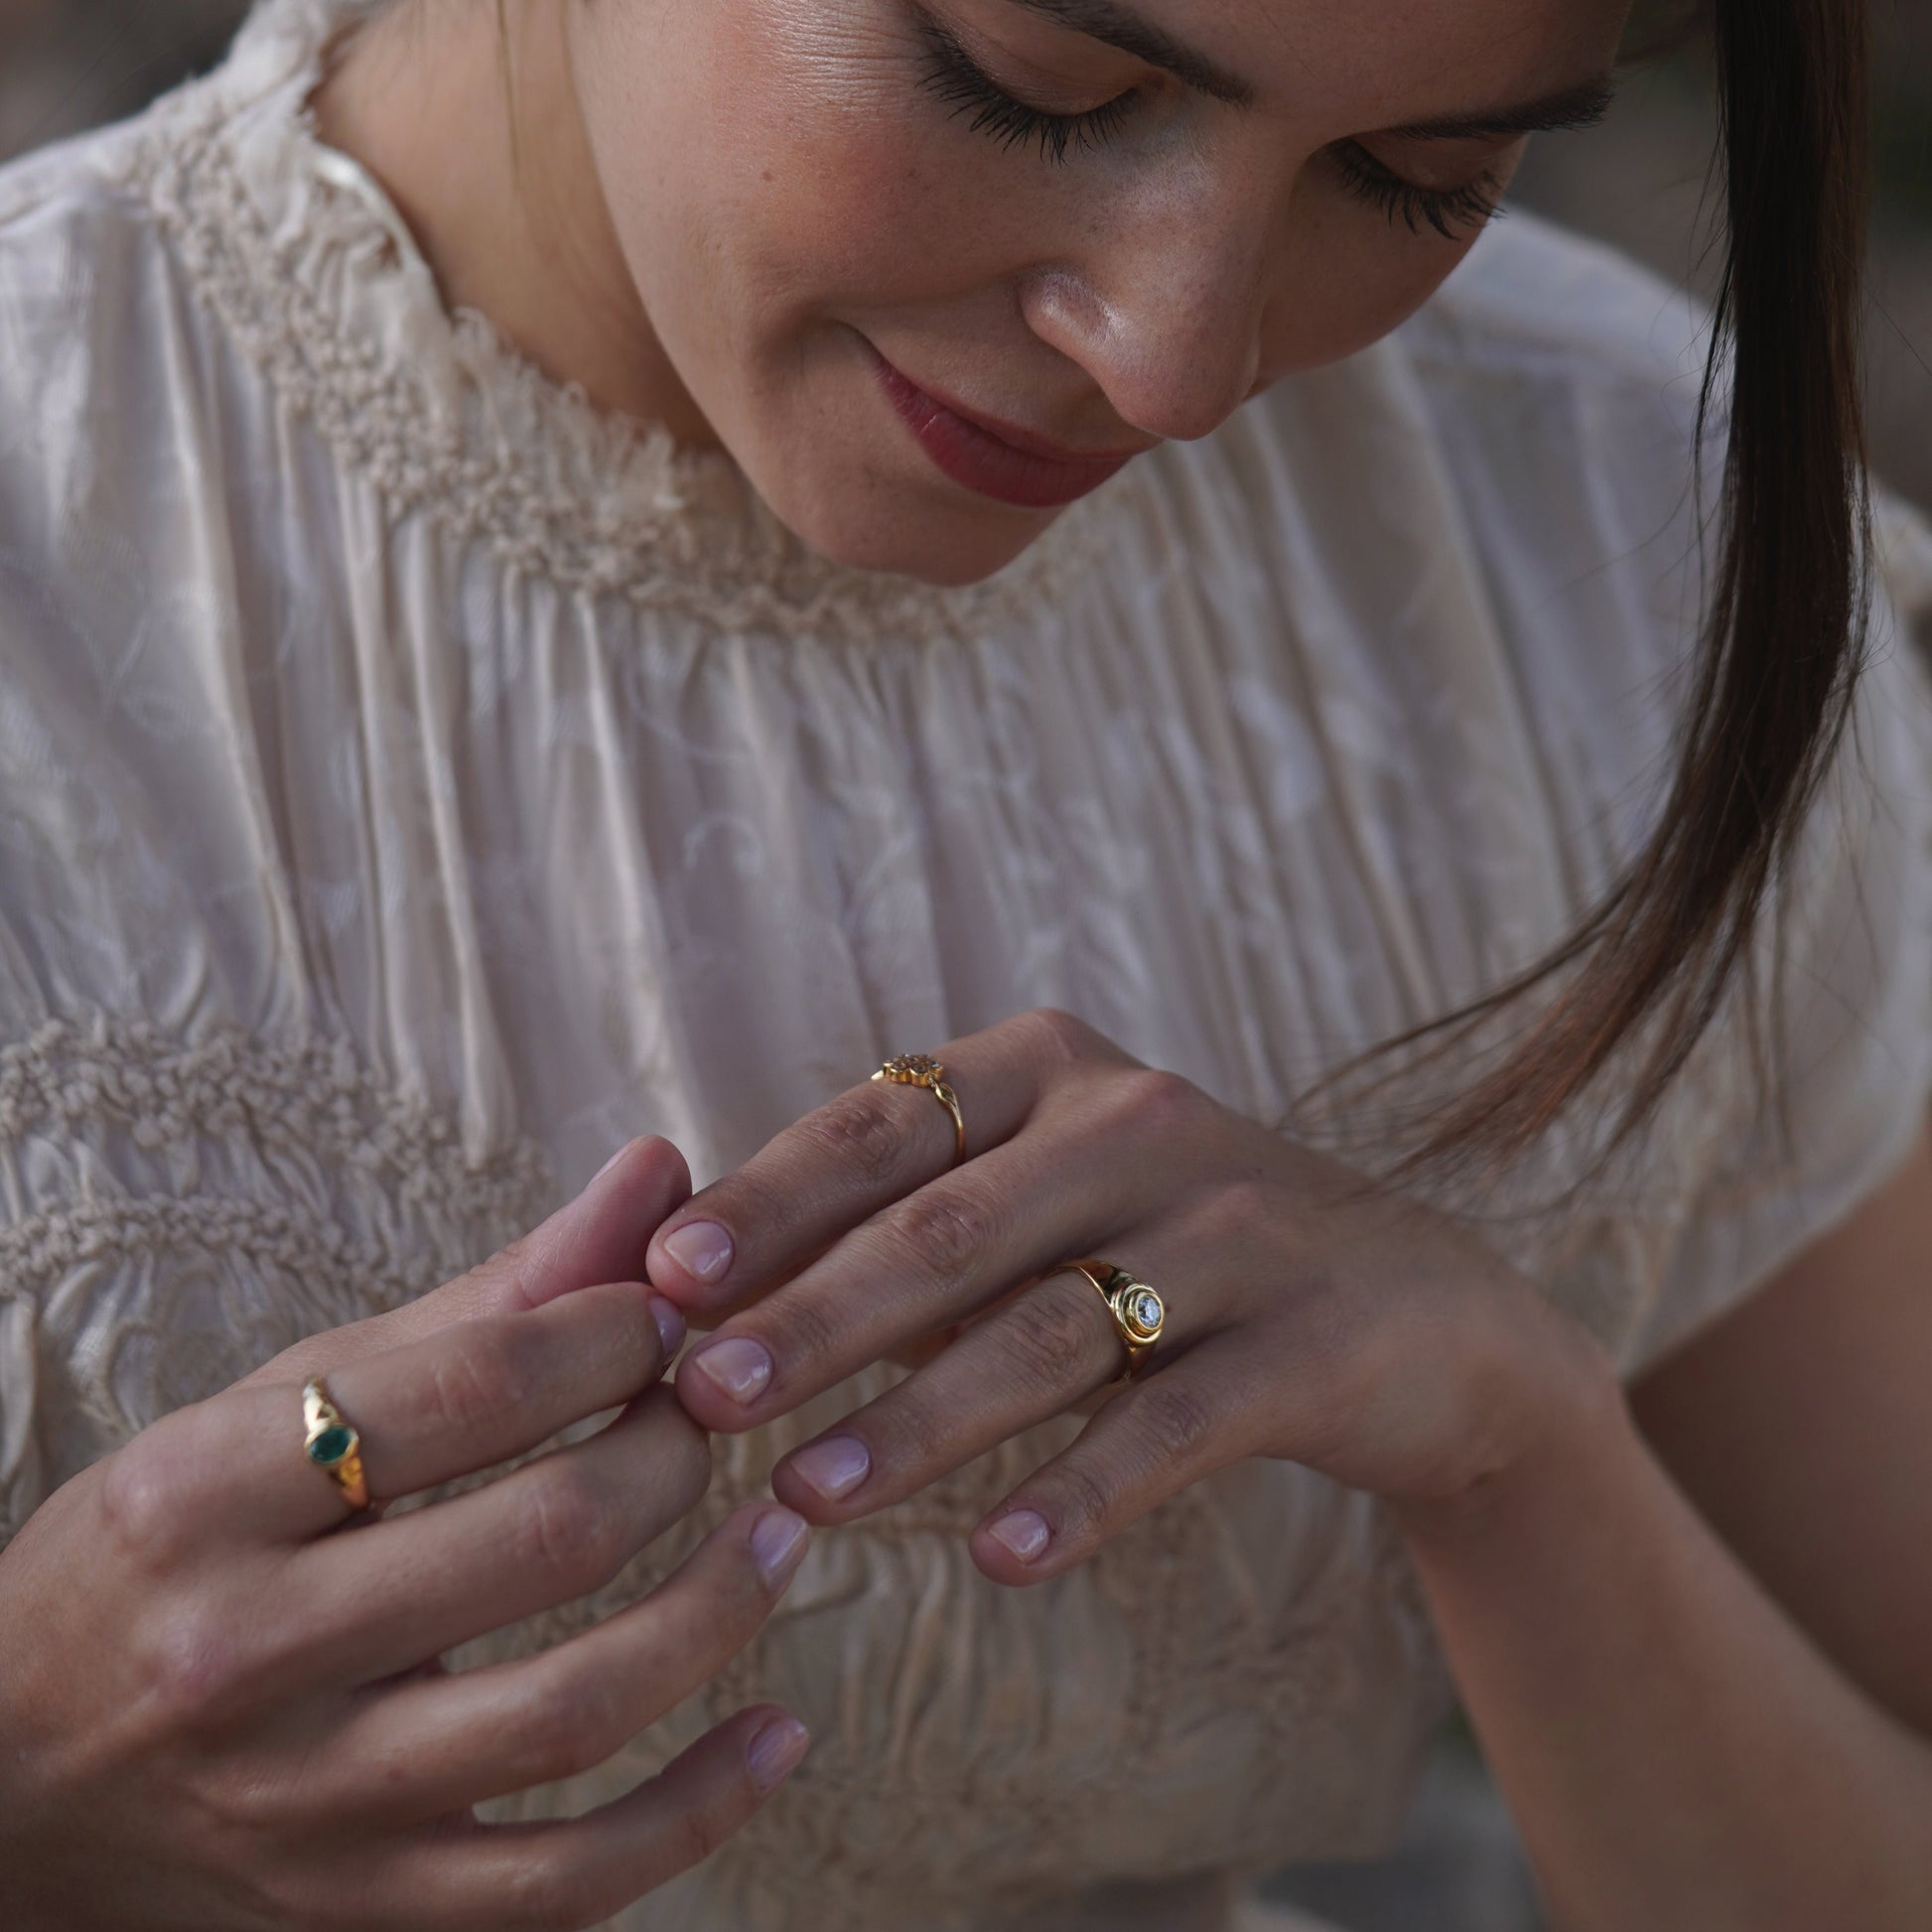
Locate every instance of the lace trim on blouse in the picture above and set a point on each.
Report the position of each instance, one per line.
(286, 1163)
(321, 285)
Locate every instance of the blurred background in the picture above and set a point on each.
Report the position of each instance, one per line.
(1638, 182)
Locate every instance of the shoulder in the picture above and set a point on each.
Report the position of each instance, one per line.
(116, 604)
(78, 250)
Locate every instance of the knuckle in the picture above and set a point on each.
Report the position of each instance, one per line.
(478, 1378)
(543, 1892)
(1246, 1203)
(148, 1495)
(507, 1277)
(1177, 1421)
(194, 1668)
(857, 1130)
(569, 1527)
(250, 1803)
(1086, 1503)
(681, 1452)
(1158, 1104)
(563, 1726)
(1057, 1334)
(908, 1434)
(802, 1331)
(1058, 1036)
(693, 1830)
(943, 1231)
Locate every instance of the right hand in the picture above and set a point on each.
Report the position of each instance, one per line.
(218, 1713)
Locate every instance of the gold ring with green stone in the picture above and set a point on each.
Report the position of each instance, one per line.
(332, 1444)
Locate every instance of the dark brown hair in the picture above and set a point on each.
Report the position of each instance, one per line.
(1652, 966)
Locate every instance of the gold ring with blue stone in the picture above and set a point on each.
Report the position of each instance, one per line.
(332, 1444)
(1137, 1309)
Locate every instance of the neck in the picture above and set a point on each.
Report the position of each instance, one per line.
(469, 117)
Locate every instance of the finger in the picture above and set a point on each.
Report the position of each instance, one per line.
(836, 1167)
(447, 1743)
(924, 1263)
(360, 1609)
(1032, 1359)
(545, 1878)
(460, 1400)
(1158, 1436)
(601, 1236)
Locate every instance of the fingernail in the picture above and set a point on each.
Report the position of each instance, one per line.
(776, 1751)
(1024, 1532)
(739, 1367)
(701, 1248)
(670, 1325)
(834, 1467)
(777, 1544)
(613, 1161)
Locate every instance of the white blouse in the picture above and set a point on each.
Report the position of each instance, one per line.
(413, 784)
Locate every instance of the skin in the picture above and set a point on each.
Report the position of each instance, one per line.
(708, 211)
(704, 214)
(1701, 1721)
(221, 1713)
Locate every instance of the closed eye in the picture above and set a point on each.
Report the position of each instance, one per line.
(1450, 212)
(952, 76)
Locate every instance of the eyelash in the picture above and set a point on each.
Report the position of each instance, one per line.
(1446, 209)
(953, 79)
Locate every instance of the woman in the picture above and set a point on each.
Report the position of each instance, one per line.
(987, 518)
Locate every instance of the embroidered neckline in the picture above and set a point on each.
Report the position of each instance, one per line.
(317, 279)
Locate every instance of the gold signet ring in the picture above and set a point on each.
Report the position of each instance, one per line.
(332, 1444)
(922, 1070)
(1138, 1311)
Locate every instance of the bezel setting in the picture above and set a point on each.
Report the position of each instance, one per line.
(1142, 1311)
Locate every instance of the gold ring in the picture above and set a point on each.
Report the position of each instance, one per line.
(922, 1070)
(332, 1444)
(1138, 1311)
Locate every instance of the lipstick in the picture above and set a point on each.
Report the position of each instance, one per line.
(995, 458)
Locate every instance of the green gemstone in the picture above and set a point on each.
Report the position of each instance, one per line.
(330, 1447)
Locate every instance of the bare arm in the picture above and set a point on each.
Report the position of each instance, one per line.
(1696, 1636)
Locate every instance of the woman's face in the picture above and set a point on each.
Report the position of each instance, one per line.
(931, 268)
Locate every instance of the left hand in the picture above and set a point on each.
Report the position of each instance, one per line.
(1311, 1314)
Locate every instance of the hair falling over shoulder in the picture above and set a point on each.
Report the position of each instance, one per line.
(1787, 603)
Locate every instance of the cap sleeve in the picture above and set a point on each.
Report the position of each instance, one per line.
(1851, 1035)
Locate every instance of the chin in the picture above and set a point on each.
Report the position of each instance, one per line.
(939, 535)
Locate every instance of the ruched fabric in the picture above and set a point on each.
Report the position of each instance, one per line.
(412, 784)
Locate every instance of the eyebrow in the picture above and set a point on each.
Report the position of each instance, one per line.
(1104, 20)
(1580, 106)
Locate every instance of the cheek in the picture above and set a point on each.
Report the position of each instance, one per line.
(1351, 278)
(779, 167)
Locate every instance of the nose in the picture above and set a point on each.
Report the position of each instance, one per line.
(1166, 317)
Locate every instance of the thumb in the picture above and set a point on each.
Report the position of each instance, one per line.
(599, 1237)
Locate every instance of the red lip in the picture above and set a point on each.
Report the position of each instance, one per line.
(995, 458)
